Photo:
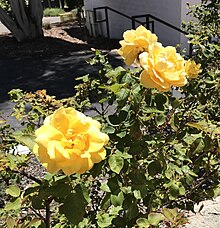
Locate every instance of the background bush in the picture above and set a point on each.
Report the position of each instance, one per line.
(53, 12)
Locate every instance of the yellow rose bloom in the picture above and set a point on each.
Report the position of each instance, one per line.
(162, 67)
(192, 69)
(135, 42)
(70, 141)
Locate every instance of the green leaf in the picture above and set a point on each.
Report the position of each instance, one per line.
(31, 190)
(197, 146)
(109, 130)
(140, 191)
(113, 120)
(35, 223)
(170, 214)
(143, 223)
(160, 119)
(115, 210)
(74, 207)
(174, 190)
(37, 202)
(13, 205)
(190, 138)
(137, 194)
(105, 204)
(122, 96)
(104, 187)
(26, 139)
(155, 218)
(174, 122)
(117, 200)
(151, 110)
(122, 134)
(13, 190)
(154, 168)
(85, 192)
(132, 211)
(59, 190)
(104, 220)
(10, 222)
(160, 100)
(12, 160)
(116, 163)
(182, 190)
(176, 103)
(85, 78)
(115, 88)
(189, 179)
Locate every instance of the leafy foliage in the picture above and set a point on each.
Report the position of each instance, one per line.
(161, 155)
(53, 12)
(163, 152)
(4, 4)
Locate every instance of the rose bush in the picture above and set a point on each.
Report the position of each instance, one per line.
(162, 153)
(70, 141)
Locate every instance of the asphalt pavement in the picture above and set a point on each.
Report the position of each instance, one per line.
(55, 73)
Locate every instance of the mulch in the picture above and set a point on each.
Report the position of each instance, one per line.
(59, 39)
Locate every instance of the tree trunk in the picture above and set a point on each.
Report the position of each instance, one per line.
(26, 20)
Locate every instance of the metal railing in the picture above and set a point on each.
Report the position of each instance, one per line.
(149, 20)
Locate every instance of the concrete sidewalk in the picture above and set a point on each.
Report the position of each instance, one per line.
(46, 20)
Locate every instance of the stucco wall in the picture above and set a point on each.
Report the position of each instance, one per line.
(172, 11)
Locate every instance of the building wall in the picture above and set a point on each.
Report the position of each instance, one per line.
(171, 11)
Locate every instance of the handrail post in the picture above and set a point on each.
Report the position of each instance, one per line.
(147, 21)
(95, 16)
(190, 50)
(107, 26)
(152, 26)
(133, 22)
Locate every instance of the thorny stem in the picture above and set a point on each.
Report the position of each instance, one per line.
(47, 218)
(29, 176)
(37, 213)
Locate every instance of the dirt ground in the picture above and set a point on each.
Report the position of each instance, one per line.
(59, 38)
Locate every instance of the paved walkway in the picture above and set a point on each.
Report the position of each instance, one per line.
(55, 74)
(46, 20)
(208, 217)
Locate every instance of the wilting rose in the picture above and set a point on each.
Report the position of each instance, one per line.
(192, 69)
(70, 141)
(135, 42)
(162, 68)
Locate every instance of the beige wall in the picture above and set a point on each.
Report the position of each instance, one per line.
(172, 11)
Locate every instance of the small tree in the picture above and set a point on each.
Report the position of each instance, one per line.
(24, 19)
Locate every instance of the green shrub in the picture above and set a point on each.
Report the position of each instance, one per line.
(163, 152)
(53, 12)
(4, 4)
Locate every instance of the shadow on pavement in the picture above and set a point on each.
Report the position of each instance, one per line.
(50, 64)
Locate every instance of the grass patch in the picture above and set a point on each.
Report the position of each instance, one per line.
(53, 12)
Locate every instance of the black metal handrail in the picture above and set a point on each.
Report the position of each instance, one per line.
(106, 8)
(149, 16)
(148, 21)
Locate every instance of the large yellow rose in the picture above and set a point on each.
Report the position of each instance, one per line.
(135, 42)
(192, 69)
(70, 141)
(162, 67)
